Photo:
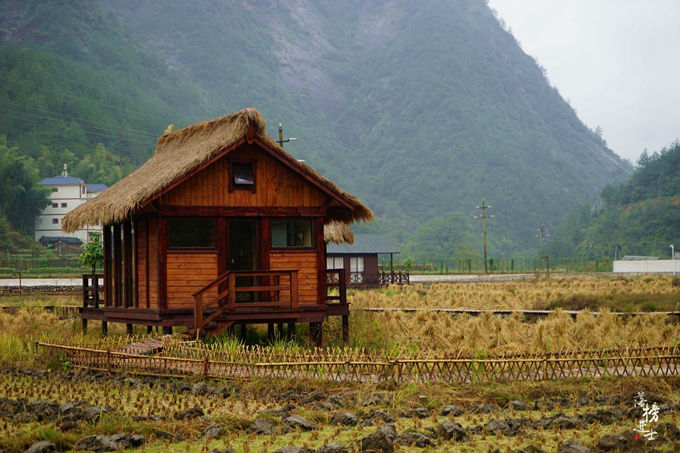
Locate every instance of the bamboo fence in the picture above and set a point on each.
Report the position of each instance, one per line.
(345, 364)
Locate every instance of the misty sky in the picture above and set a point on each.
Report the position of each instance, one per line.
(617, 62)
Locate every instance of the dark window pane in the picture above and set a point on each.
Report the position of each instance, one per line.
(292, 233)
(191, 233)
(243, 174)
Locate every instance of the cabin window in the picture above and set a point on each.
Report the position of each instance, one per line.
(55, 205)
(356, 269)
(335, 262)
(63, 205)
(55, 221)
(191, 233)
(292, 233)
(242, 176)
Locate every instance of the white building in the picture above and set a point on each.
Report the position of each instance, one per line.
(68, 193)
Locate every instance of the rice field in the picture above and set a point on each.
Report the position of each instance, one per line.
(445, 334)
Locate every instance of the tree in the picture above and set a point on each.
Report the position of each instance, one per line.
(93, 252)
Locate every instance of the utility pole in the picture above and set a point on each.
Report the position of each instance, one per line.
(483, 216)
(281, 141)
(544, 235)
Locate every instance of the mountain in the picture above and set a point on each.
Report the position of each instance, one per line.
(638, 217)
(420, 108)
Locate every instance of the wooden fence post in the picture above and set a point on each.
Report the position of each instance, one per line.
(206, 366)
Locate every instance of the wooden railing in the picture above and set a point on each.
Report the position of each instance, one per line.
(92, 290)
(273, 289)
(336, 279)
(399, 277)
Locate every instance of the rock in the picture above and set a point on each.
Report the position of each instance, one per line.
(262, 426)
(410, 438)
(573, 446)
(377, 442)
(68, 425)
(167, 436)
(604, 416)
(124, 440)
(543, 405)
(42, 447)
(564, 422)
(333, 448)
(44, 410)
(290, 396)
(668, 430)
(292, 449)
(419, 412)
(382, 415)
(389, 430)
(507, 427)
(10, 407)
(481, 408)
(214, 431)
(373, 400)
(96, 442)
(452, 409)
(338, 401)
(518, 405)
(297, 422)
(318, 395)
(613, 442)
(449, 430)
(344, 418)
(193, 412)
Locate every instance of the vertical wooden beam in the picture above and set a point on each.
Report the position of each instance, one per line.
(135, 263)
(147, 290)
(107, 265)
(291, 330)
(265, 242)
(316, 333)
(320, 261)
(127, 265)
(162, 232)
(222, 243)
(105, 328)
(345, 328)
(116, 265)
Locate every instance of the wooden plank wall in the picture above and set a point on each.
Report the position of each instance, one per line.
(306, 263)
(187, 273)
(141, 241)
(276, 185)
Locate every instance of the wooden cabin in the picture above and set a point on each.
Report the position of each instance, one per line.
(221, 226)
(360, 261)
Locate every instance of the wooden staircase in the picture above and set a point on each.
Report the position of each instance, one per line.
(265, 292)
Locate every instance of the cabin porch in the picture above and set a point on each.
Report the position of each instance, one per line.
(235, 297)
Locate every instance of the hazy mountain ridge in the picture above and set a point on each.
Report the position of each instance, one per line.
(421, 109)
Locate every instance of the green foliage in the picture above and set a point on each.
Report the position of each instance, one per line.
(93, 252)
(639, 217)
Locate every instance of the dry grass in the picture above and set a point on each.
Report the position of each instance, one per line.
(441, 333)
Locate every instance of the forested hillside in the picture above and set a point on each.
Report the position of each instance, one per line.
(639, 217)
(421, 109)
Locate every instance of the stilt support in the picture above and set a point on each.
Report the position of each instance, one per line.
(316, 333)
(345, 328)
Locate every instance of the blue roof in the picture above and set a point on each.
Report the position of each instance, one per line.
(61, 181)
(97, 187)
(365, 244)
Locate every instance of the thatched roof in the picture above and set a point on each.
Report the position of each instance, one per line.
(183, 151)
(338, 233)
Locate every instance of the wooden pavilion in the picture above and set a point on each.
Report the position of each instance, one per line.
(221, 226)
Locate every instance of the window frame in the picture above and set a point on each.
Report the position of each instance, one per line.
(55, 220)
(312, 224)
(173, 248)
(334, 259)
(55, 205)
(64, 205)
(232, 173)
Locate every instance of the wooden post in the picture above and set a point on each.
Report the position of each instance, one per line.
(342, 286)
(167, 330)
(107, 265)
(279, 329)
(198, 313)
(244, 332)
(83, 321)
(270, 331)
(162, 280)
(127, 265)
(291, 330)
(231, 297)
(149, 330)
(105, 328)
(345, 328)
(128, 329)
(116, 265)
